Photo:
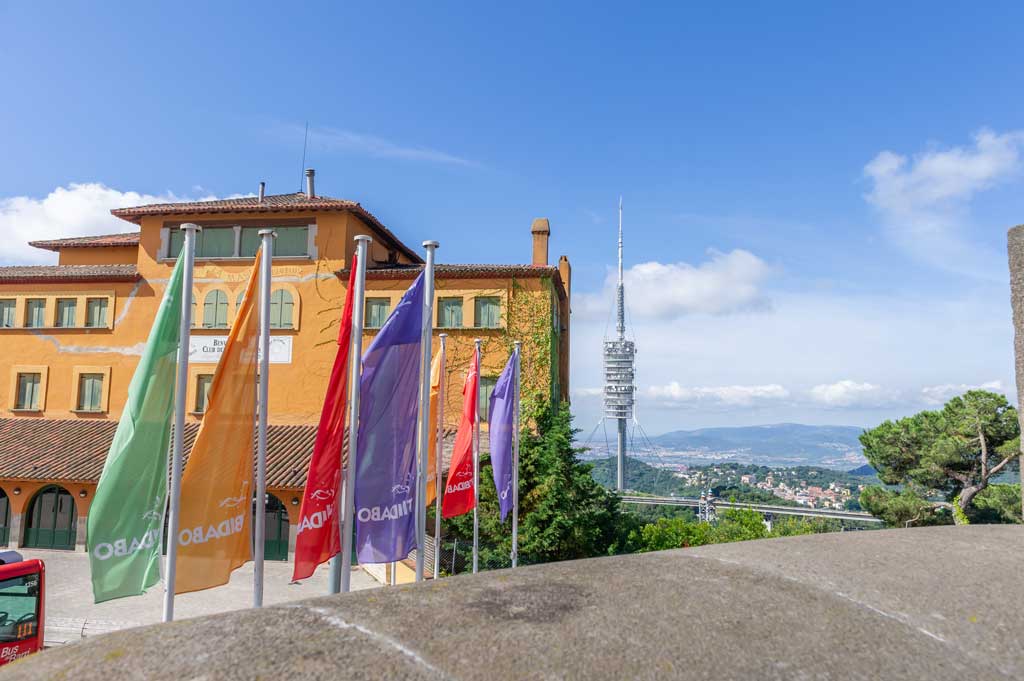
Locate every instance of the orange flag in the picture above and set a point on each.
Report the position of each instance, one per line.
(435, 390)
(217, 485)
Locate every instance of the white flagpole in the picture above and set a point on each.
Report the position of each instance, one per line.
(180, 390)
(515, 461)
(476, 462)
(355, 364)
(423, 424)
(438, 485)
(260, 530)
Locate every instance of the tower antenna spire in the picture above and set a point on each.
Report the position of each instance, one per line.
(620, 300)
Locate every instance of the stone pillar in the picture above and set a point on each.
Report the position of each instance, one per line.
(1015, 248)
(16, 529)
(293, 534)
(80, 533)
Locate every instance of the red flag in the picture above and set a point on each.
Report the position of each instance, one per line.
(458, 492)
(319, 538)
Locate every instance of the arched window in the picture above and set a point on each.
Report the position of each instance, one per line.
(215, 310)
(281, 309)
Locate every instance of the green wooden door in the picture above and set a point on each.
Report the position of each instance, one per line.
(5, 519)
(275, 546)
(51, 520)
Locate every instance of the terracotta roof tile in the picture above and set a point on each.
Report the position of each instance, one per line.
(100, 241)
(273, 203)
(67, 273)
(75, 450)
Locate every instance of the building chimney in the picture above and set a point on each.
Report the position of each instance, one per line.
(541, 231)
(565, 271)
(263, 192)
(310, 193)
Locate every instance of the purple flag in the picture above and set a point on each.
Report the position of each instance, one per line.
(501, 417)
(385, 490)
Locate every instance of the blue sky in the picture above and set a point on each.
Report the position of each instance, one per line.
(816, 195)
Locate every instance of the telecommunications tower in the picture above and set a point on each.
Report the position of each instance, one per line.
(619, 356)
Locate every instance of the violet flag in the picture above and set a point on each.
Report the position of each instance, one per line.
(501, 417)
(385, 485)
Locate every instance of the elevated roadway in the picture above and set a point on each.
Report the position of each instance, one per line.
(766, 509)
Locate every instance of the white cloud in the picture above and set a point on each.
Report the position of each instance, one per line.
(349, 141)
(847, 393)
(940, 394)
(588, 392)
(75, 210)
(924, 201)
(727, 282)
(674, 394)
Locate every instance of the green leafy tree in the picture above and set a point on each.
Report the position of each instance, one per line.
(564, 513)
(672, 533)
(941, 459)
(999, 504)
(734, 524)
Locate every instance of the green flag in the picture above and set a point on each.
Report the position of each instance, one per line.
(126, 516)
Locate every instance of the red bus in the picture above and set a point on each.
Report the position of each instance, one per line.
(21, 606)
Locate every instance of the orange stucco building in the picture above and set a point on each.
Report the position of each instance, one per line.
(71, 335)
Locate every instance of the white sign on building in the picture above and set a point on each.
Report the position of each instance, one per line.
(208, 349)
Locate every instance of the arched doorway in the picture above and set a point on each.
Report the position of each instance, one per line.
(51, 520)
(275, 545)
(5, 519)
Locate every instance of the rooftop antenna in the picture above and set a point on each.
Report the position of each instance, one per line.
(619, 372)
(302, 168)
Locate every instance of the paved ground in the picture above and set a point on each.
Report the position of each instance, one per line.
(71, 613)
(926, 603)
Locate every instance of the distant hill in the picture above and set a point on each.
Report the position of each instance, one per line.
(865, 471)
(777, 444)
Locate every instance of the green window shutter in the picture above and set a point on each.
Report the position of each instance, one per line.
(487, 384)
(215, 242)
(203, 383)
(90, 392)
(66, 312)
(376, 312)
(488, 312)
(281, 306)
(215, 310)
(291, 241)
(287, 310)
(449, 313)
(250, 242)
(28, 391)
(176, 244)
(96, 312)
(7, 308)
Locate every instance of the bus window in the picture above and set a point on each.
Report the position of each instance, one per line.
(19, 608)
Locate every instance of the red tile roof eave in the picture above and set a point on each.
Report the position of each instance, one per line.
(126, 240)
(71, 280)
(523, 271)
